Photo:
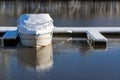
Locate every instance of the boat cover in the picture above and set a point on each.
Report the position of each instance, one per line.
(35, 24)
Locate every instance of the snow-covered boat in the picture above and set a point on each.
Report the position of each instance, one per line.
(35, 29)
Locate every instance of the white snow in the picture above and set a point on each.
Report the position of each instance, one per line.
(34, 19)
(12, 34)
(6, 28)
(95, 31)
(85, 29)
(35, 24)
(96, 35)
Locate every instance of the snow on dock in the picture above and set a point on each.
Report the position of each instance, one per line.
(84, 29)
(6, 28)
(93, 33)
(71, 29)
(96, 37)
(10, 36)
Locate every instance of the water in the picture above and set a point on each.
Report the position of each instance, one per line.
(66, 58)
(65, 13)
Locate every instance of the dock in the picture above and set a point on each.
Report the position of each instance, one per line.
(95, 35)
(10, 37)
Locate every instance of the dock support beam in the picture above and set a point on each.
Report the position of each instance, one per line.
(93, 33)
(96, 38)
(10, 38)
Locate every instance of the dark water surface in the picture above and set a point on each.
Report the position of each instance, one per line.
(65, 58)
(62, 60)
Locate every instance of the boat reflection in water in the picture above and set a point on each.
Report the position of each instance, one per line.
(39, 58)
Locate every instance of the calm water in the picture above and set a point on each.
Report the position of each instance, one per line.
(65, 58)
(62, 60)
(64, 13)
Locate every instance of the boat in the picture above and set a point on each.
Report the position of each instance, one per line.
(35, 29)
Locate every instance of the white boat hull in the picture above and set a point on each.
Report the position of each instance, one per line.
(36, 40)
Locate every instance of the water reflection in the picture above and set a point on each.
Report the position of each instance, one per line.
(73, 8)
(71, 45)
(68, 62)
(4, 66)
(113, 43)
(82, 45)
(40, 58)
(61, 11)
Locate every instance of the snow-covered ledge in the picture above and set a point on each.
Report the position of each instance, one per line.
(71, 29)
(93, 32)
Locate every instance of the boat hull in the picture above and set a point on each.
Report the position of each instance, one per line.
(36, 40)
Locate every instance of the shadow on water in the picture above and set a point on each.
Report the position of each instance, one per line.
(39, 58)
(64, 13)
